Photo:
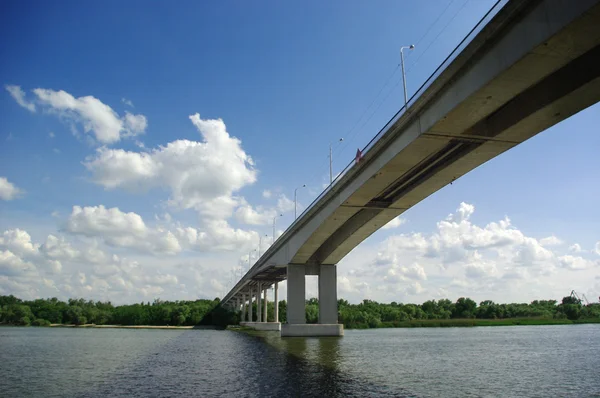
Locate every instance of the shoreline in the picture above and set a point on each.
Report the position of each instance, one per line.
(93, 326)
(441, 323)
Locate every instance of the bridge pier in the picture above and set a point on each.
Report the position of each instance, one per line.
(250, 306)
(296, 304)
(275, 302)
(261, 323)
(243, 307)
(258, 303)
(264, 305)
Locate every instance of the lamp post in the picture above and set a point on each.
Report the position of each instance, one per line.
(275, 219)
(296, 199)
(331, 162)
(260, 243)
(411, 47)
(249, 259)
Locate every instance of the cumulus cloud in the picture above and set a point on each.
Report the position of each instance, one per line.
(261, 215)
(8, 190)
(200, 175)
(121, 229)
(216, 235)
(575, 248)
(395, 223)
(597, 248)
(576, 262)
(494, 261)
(551, 241)
(127, 102)
(12, 265)
(96, 117)
(19, 95)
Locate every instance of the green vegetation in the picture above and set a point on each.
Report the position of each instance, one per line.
(465, 312)
(368, 314)
(43, 312)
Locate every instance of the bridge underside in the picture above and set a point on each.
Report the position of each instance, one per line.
(535, 64)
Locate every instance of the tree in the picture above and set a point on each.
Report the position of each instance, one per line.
(464, 308)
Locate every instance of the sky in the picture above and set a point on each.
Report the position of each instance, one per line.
(146, 149)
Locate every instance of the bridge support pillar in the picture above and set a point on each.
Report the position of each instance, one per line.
(265, 306)
(296, 306)
(250, 305)
(243, 307)
(328, 306)
(258, 303)
(275, 302)
(296, 294)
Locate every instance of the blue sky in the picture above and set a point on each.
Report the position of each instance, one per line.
(286, 80)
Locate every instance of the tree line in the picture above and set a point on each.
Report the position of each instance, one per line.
(43, 312)
(367, 314)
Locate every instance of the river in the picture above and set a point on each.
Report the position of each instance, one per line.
(520, 361)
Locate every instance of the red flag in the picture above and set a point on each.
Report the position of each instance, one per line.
(358, 156)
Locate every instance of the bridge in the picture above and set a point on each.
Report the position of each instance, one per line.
(529, 66)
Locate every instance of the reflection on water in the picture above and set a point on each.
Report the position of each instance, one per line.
(507, 361)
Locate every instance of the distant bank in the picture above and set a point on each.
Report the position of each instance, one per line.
(59, 325)
(425, 323)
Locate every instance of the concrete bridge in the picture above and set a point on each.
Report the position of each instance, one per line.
(533, 64)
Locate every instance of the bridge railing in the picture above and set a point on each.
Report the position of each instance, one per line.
(436, 73)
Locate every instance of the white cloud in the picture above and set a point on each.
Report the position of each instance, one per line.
(575, 248)
(266, 194)
(135, 124)
(19, 95)
(285, 204)
(248, 215)
(98, 220)
(200, 175)
(57, 248)
(216, 235)
(395, 223)
(8, 191)
(551, 241)
(496, 261)
(18, 241)
(12, 265)
(95, 116)
(121, 229)
(597, 248)
(127, 102)
(576, 263)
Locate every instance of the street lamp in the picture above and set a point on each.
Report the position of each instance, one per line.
(331, 162)
(249, 258)
(296, 199)
(411, 47)
(260, 243)
(275, 219)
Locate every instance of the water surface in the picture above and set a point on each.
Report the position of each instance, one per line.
(521, 361)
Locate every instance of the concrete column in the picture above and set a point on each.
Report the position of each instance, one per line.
(328, 311)
(265, 313)
(258, 303)
(296, 294)
(276, 302)
(243, 307)
(250, 306)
